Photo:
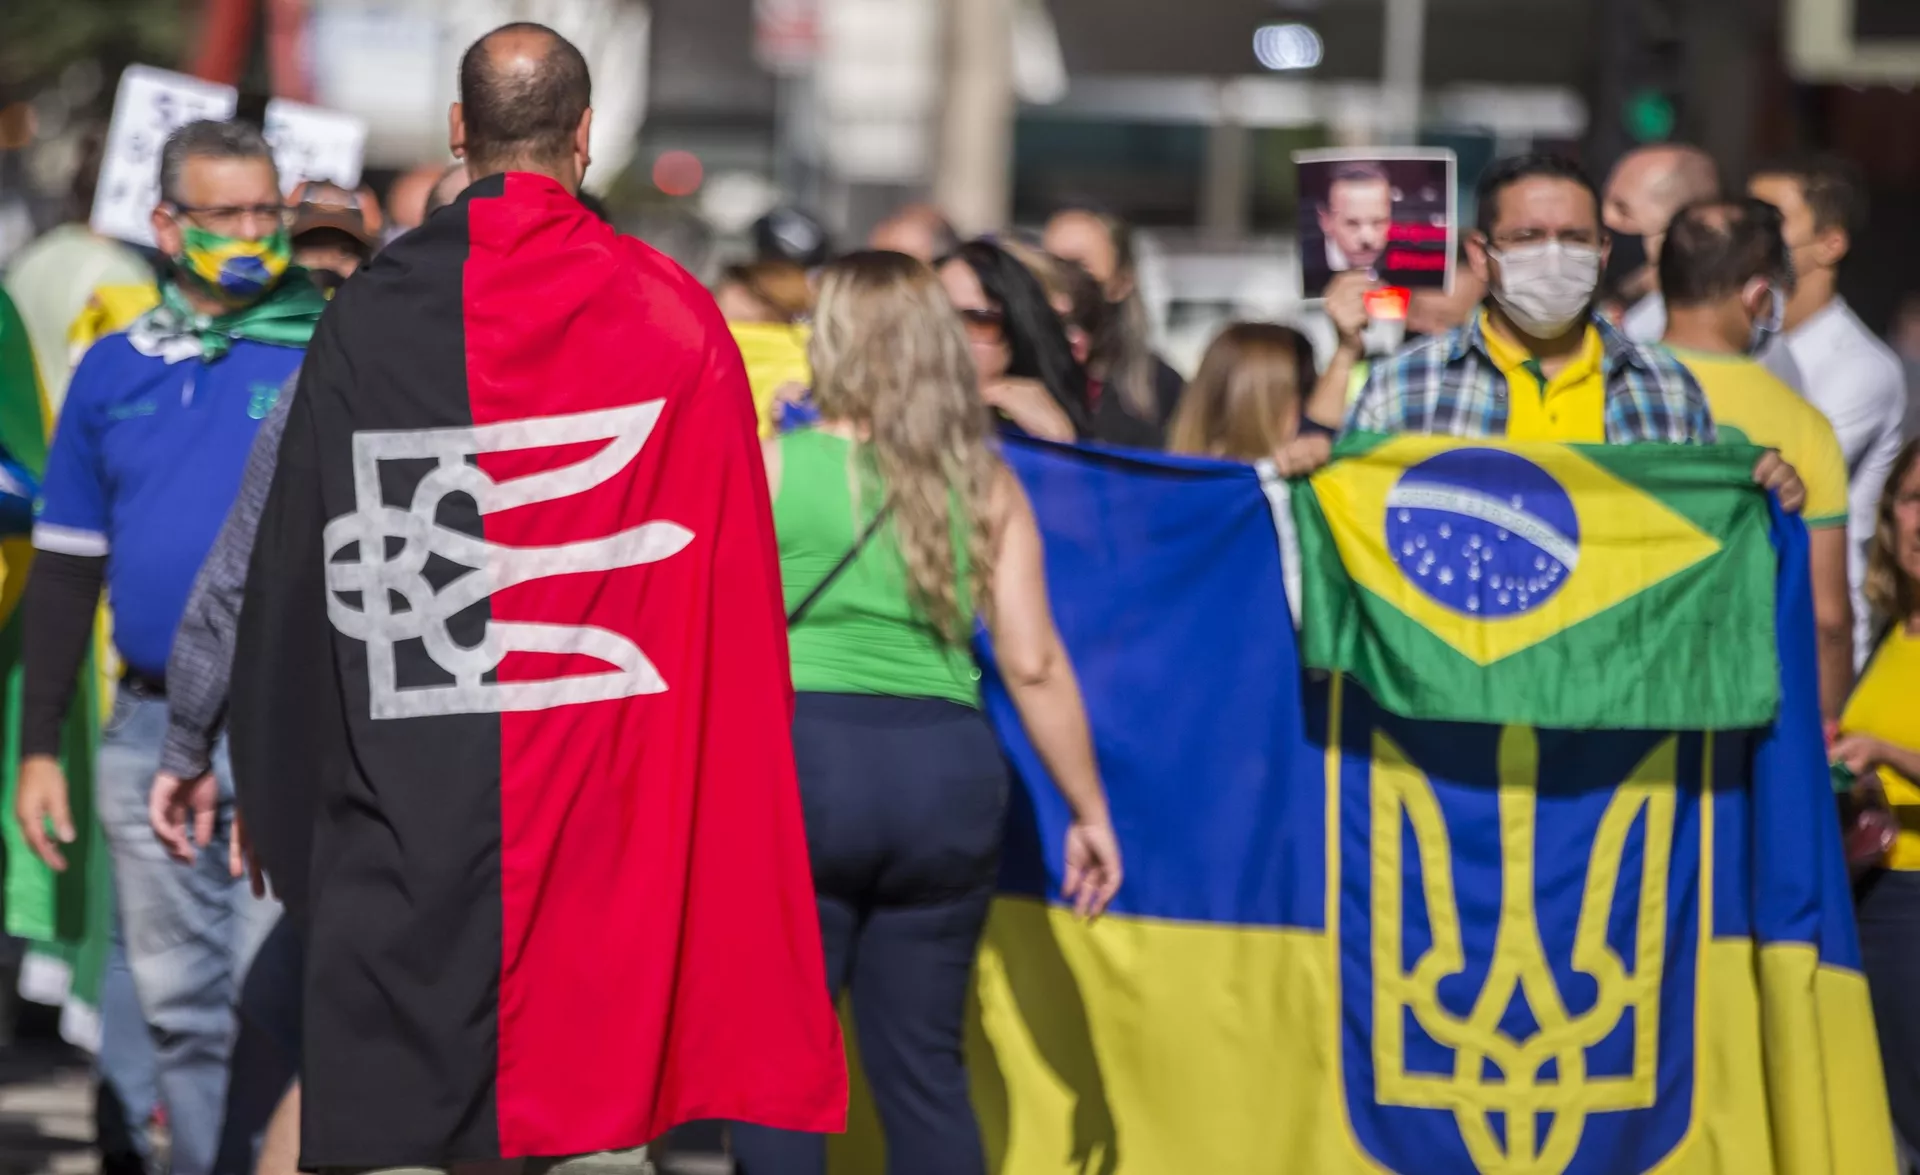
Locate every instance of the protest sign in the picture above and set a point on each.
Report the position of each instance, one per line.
(1390, 212)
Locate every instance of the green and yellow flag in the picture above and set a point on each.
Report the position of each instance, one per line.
(66, 917)
(1580, 587)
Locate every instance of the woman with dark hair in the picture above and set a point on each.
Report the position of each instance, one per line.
(1026, 368)
(1028, 372)
(1879, 742)
(1123, 361)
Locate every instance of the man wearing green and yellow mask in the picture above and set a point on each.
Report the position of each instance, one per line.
(145, 463)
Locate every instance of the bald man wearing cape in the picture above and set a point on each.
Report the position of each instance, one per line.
(511, 705)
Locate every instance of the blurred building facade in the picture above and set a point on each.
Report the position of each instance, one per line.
(1181, 116)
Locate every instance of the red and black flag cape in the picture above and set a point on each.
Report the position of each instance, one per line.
(511, 708)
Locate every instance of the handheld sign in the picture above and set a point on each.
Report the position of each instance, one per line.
(309, 142)
(149, 105)
(1391, 212)
(313, 143)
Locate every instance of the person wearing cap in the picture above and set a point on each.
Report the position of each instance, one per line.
(334, 231)
(792, 234)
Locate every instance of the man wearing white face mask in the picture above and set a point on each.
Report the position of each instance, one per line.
(1537, 363)
(1851, 376)
(1726, 278)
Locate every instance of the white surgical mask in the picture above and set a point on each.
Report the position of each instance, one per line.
(1546, 288)
(1768, 325)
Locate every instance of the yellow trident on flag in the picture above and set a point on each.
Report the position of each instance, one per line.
(1522, 1090)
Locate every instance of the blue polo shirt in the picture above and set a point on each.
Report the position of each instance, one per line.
(146, 462)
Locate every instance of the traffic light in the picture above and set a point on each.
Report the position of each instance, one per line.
(1649, 116)
(1642, 79)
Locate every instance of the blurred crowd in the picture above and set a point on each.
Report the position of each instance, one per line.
(1662, 305)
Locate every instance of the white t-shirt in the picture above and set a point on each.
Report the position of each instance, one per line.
(1857, 381)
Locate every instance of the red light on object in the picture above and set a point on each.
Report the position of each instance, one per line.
(678, 173)
(1389, 302)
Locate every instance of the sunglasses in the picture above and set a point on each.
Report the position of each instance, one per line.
(984, 326)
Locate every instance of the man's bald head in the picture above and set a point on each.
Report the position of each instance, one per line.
(1646, 188)
(1650, 184)
(919, 231)
(524, 97)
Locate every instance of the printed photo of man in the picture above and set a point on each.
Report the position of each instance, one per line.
(1390, 217)
(1356, 215)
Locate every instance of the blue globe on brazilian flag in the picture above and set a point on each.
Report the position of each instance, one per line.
(1580, 587)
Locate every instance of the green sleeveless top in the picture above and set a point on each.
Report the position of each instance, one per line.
(864, 635)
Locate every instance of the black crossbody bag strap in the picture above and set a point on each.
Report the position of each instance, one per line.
(846, 561)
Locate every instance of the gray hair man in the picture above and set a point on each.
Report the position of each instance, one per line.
(153, 433)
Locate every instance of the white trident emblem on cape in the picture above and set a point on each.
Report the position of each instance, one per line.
(398, 602)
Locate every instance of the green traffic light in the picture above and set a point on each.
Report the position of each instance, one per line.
(1649, 116)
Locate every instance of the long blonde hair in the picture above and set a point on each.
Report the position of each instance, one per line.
(890, 358)
(1245, 400)
(1892, 593)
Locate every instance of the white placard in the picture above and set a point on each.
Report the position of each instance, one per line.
(309, 142)
(313, 143)
(150, 105)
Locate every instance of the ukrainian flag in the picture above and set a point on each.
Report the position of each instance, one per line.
(1359, 941)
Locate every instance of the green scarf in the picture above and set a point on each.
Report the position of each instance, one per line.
(284, 318)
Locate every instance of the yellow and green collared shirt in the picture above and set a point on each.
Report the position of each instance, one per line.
(1454, 385)
(1569, 407)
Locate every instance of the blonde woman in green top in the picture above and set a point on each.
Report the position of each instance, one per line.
(899, 528)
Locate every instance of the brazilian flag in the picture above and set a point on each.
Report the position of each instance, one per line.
(1586, 587)
(66, 917)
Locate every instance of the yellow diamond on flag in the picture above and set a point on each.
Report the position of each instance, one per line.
(1495, 547)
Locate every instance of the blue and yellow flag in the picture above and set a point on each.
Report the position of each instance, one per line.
(1354, 941)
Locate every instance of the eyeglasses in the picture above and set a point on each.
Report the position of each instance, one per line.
(984, 326)
(232, 220)
(1526, 237)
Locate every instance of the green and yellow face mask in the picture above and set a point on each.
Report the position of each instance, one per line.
(235, 270)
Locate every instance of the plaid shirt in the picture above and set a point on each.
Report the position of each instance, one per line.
(1449, 385)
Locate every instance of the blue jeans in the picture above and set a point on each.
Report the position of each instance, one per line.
(190, 930)
(125, 1093)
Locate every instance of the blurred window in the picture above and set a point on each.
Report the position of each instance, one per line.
(1149, 173)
